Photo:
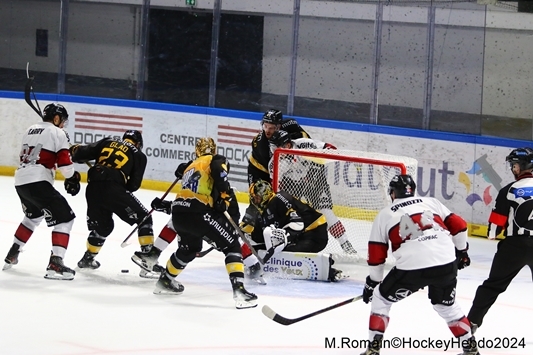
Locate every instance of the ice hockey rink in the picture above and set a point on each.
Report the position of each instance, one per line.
(109, 312)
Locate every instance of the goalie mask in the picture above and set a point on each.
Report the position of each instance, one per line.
(402, 186)
(135, 137)
(205, 146)
(260, 193)
(280, 139)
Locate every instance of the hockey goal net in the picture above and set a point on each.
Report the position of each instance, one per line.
(347, 186)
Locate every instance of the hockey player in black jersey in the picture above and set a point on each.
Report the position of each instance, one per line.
(198, 213)
(117, 173)
(512, 214)
(44, 149)
(271, 122)
(286, 223)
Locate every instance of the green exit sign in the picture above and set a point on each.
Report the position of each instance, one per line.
(190, 2)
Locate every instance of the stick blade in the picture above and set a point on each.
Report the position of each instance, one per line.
(269, 313)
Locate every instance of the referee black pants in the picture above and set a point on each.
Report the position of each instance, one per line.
(512, 255)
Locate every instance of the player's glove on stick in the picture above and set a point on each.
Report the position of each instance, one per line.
(463, 260)
(161, 205)
(72, 184)
(222, 203)
(180, 170)
(368, 292)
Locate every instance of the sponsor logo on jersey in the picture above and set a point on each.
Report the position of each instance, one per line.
(223, 232)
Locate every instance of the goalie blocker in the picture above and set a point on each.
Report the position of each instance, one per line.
(301, 266)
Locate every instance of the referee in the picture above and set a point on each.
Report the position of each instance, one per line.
(513, 213)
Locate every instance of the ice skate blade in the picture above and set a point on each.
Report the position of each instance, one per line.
(239, 304)
(149, 275)
(165, 292)
(52, 275)
(258, 280)
(141, 263)
(7, 266)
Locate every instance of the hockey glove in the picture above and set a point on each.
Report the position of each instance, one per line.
(72, 184)
(368, 292)
(222, 204)
(180, 170)
(161, 205)
(463, 260)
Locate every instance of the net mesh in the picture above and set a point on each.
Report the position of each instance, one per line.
(348, 187)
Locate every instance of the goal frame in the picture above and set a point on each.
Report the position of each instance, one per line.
(318, 154)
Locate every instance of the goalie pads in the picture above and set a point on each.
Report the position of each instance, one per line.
(275, 238)
(298, 266)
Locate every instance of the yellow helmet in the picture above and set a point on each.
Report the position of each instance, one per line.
(205, 146)
(260, 193)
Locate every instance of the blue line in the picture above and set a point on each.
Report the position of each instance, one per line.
(256, 116)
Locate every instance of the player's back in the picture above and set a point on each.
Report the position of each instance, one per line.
(416, 231)
(43, 145)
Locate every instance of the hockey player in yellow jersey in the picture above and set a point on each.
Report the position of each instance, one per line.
(198, 213)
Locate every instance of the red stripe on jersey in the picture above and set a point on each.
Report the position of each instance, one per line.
(377, 253)
(60, 239)
(63, 158)
(47, 158)
(498, 219)
(378, 322)
(455, 224)
(167, 234)
(23, 233)
(394, 237)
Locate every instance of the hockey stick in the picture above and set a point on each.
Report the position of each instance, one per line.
(125, 242)
(269, 312)
(28, 89)
(203, 253)
(244, 238)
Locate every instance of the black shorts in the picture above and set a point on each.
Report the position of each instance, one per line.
(440, 280)
(41, 198)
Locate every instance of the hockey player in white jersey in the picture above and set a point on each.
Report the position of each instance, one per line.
(309, 183)
(45, 148)
(429, 243)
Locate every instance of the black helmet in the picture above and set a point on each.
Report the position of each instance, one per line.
(272, 116)
(522, 156)
(51, 110)
(134, 136)
(403, 186)
(280, 138)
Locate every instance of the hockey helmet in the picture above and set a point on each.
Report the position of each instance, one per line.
(272, 116)
(135, 137)
(522, 156)
(205, 146)
(403, 186)
(280, 138)
(51, 110)
(260, 193)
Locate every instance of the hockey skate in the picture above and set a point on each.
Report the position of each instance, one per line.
(374, 346)
(243, 299)
(154, 274)
(12, 257)
(88, 262)
(146, 258)
(470, 347)
(166, 286)
(255, 273)
(56, 270)
(334, 275)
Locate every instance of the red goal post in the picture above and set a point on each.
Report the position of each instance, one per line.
(352, 184)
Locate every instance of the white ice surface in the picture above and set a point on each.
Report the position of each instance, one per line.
(109, 312)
